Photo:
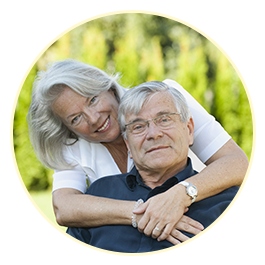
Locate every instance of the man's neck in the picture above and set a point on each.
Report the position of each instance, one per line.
(155, 178)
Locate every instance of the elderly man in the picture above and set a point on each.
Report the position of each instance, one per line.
(158, 130)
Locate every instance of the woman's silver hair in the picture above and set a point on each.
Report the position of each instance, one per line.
(134, 99)
(47, 132)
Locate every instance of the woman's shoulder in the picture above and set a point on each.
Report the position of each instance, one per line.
(91, 156)
(179, 87)
(81, 149)
(173, 83)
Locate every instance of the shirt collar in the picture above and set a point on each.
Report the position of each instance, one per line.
(133, 178)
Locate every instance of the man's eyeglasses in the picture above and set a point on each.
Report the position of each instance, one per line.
(163, 121)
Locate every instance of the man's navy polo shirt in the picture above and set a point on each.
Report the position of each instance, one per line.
(129, 186)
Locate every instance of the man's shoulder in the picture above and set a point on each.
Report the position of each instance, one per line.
(107, 182)
(110, 178)
(229, 193)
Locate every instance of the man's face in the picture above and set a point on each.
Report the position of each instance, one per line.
(160, 149)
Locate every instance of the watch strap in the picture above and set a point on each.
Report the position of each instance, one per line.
(187, 185)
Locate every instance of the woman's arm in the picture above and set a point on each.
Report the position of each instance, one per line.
(74, 209)
(226, 168)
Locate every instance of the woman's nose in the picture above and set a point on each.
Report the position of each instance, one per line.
(91, 116)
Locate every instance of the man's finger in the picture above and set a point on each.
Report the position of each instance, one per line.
(173, 240)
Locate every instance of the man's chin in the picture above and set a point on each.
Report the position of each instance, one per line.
(159, 162)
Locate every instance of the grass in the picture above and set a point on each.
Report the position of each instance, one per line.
(34, 235)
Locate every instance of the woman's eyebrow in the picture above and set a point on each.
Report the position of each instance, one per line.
(74, 114)
(71, 115)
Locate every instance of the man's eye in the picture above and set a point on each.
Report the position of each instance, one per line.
(164, 119)
(138, 127)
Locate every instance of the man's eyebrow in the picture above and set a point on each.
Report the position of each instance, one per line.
(136, 120)
(164, 112)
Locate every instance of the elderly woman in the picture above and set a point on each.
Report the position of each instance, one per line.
(75, 131)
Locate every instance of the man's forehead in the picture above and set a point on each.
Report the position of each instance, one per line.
(159, 102)
(146, 116)
(156, 105)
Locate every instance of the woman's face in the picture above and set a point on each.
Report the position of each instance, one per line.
(94, 119)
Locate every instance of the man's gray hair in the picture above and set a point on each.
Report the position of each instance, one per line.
(134, 99)
(48, 134)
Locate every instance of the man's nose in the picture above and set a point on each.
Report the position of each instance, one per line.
(153, 131)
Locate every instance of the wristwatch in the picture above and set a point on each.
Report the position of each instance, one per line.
(190, 189)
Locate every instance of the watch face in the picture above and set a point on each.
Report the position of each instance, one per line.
(192, 191)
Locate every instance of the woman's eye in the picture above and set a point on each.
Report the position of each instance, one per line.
(93, 99)
(75, 119)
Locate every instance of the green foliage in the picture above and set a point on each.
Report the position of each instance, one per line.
(192, 70)
(231, 105)
(142, 48)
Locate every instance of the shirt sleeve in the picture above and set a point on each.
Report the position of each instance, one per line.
(209, 135)
(75, 178)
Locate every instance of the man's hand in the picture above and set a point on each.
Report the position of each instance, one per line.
(185, 224)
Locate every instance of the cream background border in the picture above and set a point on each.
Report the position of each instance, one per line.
(247, 75)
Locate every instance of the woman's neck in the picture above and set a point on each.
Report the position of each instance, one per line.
(118, 151)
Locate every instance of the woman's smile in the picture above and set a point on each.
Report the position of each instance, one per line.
(105, 126)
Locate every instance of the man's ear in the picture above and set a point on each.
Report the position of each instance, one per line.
(190, 126)
(128, 147)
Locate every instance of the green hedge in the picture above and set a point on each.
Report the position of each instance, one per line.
(143, 48)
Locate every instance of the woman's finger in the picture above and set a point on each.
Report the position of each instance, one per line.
(165, 232)
(153, 228)
(156, 232)
(141, 208)
(143, 223)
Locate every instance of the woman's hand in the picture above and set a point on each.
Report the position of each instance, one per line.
(163, 212)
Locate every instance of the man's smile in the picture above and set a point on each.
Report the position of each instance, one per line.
(157, 148)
